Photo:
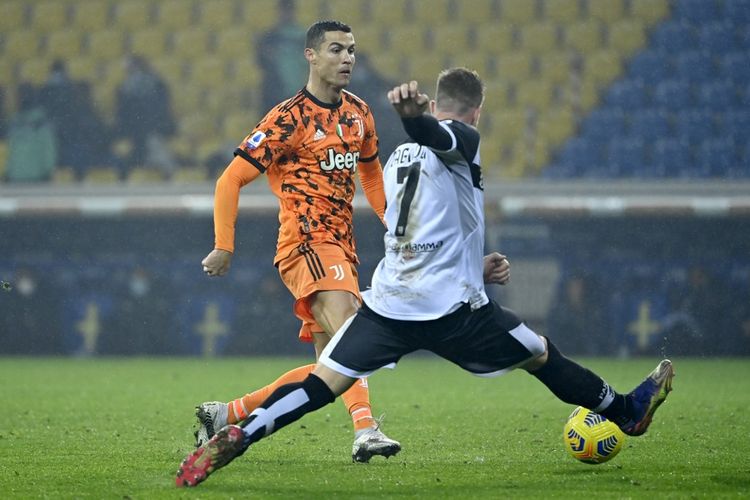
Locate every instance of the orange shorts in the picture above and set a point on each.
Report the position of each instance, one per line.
(314, 268)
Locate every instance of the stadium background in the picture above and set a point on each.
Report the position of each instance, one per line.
(615, 147)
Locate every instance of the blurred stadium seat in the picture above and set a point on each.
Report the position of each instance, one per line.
(14, 16)
(562, 11)
(608, 11)
(602, 124)
(176, 14)
(673, 37)
(696, 11)
(626, 36)
(719, 95)
(91, 15)
(133, 14)
(649, 11)
(717, 38)
(517, 11)
(735, 66)
(669, 157)
(149, 42)
(650, 66)
(539, 37)
(694, 125)
(673, 95)
(49, 15)
(649, 123)
(695, 66)
(627, 95)
(625, 157)
(106, 44)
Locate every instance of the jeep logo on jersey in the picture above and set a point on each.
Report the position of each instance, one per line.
(340, 161)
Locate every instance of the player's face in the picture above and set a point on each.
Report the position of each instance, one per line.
(334, 59)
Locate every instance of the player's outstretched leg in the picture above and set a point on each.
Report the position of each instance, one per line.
(648, 396)
(222, 448)
(212, 416)
(370, 442)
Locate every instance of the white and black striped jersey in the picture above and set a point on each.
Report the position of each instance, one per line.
(434, 244)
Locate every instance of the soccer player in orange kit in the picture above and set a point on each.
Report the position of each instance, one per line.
(310, 147)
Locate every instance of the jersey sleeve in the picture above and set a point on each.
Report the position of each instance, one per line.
(443, 136)
(369, 151)
(271, 139)
(226, 201)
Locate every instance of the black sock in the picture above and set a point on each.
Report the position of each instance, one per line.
(285, 405)
(574, 384)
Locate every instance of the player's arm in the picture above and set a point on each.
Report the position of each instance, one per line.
(371, 179)
(226, 205)
(423, 129)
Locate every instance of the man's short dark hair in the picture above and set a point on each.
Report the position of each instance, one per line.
(317, 32)
(459, 89)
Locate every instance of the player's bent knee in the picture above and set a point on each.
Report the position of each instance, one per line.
(539, 352)
(336, 382)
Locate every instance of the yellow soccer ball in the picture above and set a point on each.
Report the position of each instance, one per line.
(591, 438)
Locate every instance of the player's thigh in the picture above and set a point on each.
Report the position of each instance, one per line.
(365, 343)
(489, 341)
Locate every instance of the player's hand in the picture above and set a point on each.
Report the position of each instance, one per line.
(496, 269)
(217, 262)
(407, 101)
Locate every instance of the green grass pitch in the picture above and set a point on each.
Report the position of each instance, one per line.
(118, 428)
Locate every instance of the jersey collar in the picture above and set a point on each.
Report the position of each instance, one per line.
(320, 103)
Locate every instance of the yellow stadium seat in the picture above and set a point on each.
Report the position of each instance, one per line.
(218, 15)
(607, 11)
(496, 95)
(627, 37)
(534, 93)
(144, 175)
(514, 66)
(196, 127)
(347, 11)
(149, 42)
(649, 11)
(235, 126)
(386, 14)
(517, 11)
(63, 175)
(14, 15)
(63, 44)
(476, 60)
(490, 157)
(509, 126)
(176, 14)
(188, 175)
(539, 37)
(390, 64)
(3, 157)
(133, 14)
(309, 11)
(172, 70)
(101, 175)
(369, 38)
(35, 70)
(234, 43)
(562, 11)
(82, 68)
(583, 97)
(7, 74)
(450, 39)
(495, 38)
(104, 97)
(91, 15)
(49, 15)
(415, 37)
(555, 125)
(555, 67)
(425, 70)
(106, 44)
(190, 43)
(21, 45)
(603, 66)
(584, 36)
(260, 14)
(512, 161)
(208, 71)
(432, 12)
(247, 72)
(477, 12)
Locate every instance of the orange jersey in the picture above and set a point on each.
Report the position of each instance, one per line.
(310, 151)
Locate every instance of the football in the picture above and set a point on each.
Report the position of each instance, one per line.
(591, 438)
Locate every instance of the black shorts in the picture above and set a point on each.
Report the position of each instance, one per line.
(489, 341)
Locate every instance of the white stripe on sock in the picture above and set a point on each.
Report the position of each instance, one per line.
(266, 417)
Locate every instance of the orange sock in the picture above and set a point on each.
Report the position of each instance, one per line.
(241, 408)
(357, 401)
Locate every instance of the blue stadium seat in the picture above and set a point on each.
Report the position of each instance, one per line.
(627, 95)
(695, 125)
(736, 124)
(673, 95)
(670, 157)
(602, 124)
(737, 10)
(696, 11)
(717, 38)
(625, 157)
(695, 66)
(720, 95)
(650, 66)
(715, 157)
(735, 66)
(650, 124)
(580, 154)
(673, 37)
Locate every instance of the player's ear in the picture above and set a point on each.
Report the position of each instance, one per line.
(433, 106)
(310, 55)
